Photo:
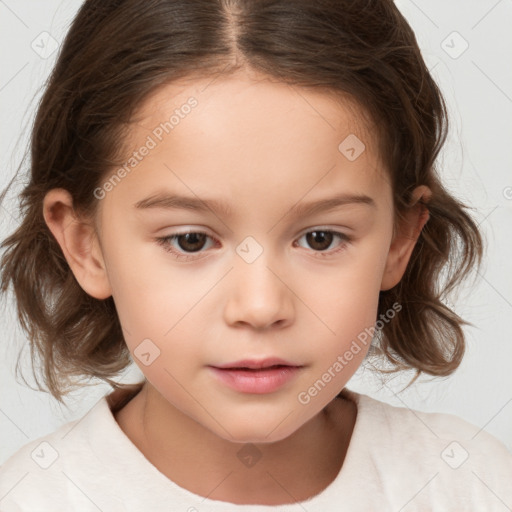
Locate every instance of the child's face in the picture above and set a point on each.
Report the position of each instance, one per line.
(261, 284)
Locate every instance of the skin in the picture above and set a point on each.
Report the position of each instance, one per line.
(261, 146)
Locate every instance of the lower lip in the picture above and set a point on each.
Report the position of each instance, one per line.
(257, 381)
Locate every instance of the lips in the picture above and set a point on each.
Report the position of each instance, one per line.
(258, 370)
(268, 378)
(253, 364)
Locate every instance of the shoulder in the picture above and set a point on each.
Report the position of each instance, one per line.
(451, 456)
(39, 476)
(29, 476)
(403, 423)
(441, 428)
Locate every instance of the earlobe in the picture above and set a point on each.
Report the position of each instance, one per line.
(403, 243)
(78, 242)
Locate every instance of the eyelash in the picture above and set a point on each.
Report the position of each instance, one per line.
(165, 243)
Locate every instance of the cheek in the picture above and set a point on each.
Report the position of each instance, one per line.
(346, 300)
(159, 306)
(349, 292)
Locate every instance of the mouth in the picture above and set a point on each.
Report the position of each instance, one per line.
(269, 363)
(266, 368)
(256, 377)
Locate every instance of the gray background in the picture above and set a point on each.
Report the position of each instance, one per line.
(476, 164)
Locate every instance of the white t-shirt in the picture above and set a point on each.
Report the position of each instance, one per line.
(398, 460)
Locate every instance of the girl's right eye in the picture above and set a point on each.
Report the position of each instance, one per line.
(194, 239)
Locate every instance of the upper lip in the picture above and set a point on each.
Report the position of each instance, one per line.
(257, 364)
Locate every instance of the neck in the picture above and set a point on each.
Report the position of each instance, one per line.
(292, 469)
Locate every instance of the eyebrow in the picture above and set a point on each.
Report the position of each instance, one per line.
(171, 201)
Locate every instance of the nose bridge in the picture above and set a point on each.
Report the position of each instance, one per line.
(253, 268)
(259, 296)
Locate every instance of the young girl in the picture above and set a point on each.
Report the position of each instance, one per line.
(242, 198)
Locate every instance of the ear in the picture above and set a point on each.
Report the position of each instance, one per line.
(78, 242)
(405, 239)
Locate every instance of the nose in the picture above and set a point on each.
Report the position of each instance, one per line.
(258, 296)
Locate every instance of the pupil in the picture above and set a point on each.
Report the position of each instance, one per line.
(319, 236)
(192, 240)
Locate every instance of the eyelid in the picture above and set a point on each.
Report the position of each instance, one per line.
(326, 227)
(164, 241)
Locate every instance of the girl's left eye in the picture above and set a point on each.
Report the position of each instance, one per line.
(194, 241)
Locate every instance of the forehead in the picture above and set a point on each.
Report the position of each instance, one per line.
(252, 100)
(251, 135)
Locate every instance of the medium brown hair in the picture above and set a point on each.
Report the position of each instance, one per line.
(118, 52)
